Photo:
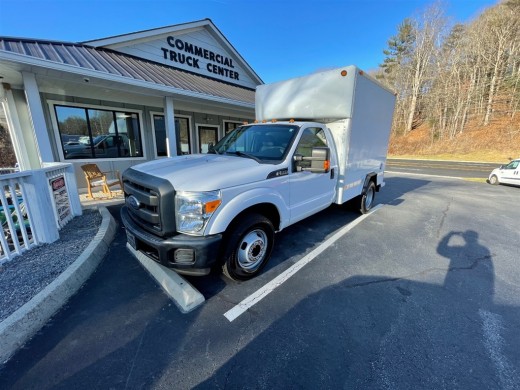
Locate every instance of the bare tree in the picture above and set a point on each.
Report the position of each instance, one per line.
(428, 29)
(500, 28)
(7, 156)
(409, 62)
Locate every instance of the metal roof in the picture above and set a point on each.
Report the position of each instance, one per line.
(118, 64)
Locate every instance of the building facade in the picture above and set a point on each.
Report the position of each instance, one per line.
(123, 100)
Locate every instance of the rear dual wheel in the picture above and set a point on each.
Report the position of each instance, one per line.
(248, 247)
(367, 198)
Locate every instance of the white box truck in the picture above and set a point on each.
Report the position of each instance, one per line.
(318, 140)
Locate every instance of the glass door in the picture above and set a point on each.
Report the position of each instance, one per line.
(182, 131)
(208, 136)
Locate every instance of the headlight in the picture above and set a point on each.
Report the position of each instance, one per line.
(194, 209)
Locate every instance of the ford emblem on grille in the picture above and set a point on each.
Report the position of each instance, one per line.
(133, 202)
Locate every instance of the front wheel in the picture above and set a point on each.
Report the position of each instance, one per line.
(367, 198)
(493, 180)
(248, 247)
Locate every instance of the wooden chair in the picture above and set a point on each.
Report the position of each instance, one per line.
(96, 178)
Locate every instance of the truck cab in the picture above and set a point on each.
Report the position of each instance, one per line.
(279, 173)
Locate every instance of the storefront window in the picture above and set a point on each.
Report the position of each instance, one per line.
(228, 126)
(72, 123)
(91, 133)
(182, 130)
(160, 135)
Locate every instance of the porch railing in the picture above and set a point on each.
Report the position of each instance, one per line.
(6, 170)
(34, 205)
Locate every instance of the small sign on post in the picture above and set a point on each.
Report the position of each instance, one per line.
(61, 200)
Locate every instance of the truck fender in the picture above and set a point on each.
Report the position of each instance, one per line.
(220, 222)
(370, 177)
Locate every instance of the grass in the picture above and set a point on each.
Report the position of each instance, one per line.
(482, 156)
(475, 179)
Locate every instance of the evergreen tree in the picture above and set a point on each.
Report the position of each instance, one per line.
(400, 47)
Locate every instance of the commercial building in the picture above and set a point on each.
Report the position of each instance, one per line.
(123, 100)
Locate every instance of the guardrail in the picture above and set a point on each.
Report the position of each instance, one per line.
(34, 205)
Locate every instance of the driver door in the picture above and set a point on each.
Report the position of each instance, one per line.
(510, 173)
(311, 192)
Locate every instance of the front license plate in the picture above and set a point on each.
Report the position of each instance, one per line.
(131, 239)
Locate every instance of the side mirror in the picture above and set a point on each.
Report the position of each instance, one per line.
(318, 163)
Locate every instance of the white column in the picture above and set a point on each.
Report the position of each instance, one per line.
(39, 201)
(169, 122)
(34, 103)
(14, 127)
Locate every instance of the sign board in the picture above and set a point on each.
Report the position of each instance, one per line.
(197, 51)
(61, 199)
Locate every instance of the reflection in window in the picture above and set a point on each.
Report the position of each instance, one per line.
(160, 135)
(266, 142)
(207, 138)
(73, 125)
(512, 165)
(311, 137)
(231, 126)
(92, 133)
(127, 125)
(100, 121)
(182, 132)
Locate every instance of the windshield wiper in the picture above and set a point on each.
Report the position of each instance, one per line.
(212, 150)
(242, 154)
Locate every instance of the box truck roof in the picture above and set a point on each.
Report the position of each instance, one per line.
(321, 97)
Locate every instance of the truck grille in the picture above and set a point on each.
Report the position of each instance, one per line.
(150, 202)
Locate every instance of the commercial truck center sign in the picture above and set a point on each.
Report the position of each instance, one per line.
(183, 52)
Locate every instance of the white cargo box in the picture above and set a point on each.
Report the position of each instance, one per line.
(320, 97)
(357, 109)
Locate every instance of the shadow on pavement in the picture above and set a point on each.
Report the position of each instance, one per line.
(330, 340)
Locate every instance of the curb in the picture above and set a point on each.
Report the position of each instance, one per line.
(25, 322)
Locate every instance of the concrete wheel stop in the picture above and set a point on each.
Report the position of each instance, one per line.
(185, 296)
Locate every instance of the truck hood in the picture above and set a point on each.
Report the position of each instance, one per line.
(206, 172)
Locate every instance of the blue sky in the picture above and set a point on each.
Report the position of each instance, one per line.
(279, 39)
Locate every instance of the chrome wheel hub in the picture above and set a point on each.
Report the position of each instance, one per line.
(251, 251)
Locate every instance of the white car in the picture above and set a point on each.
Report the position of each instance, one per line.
(506, 174)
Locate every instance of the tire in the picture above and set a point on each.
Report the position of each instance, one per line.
(493, 180)
(367, 198)
(248, 247)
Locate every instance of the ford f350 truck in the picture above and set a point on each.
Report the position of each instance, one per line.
(318, 140)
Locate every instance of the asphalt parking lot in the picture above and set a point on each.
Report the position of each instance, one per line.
(422, 293)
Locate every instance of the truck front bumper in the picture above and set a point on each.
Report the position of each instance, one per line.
(185, 254)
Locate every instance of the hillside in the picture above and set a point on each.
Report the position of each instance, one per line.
(497, 142)
(457, 85)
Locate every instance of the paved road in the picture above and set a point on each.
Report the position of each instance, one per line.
(442, 168)
(423, 293)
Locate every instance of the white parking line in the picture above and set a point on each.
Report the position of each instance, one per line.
(261, 293)
(492, 325)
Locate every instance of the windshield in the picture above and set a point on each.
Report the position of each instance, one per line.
(259, 142)
(99, 138)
